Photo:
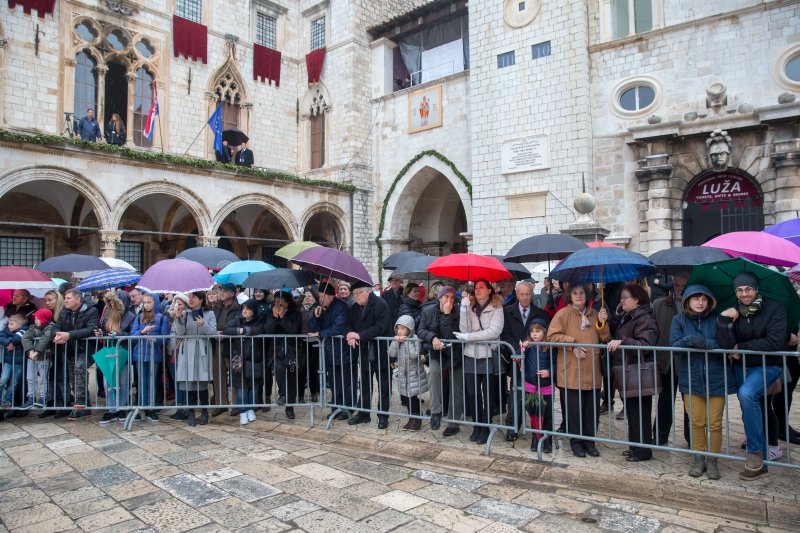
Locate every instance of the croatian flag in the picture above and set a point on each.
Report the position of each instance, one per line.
(150, 124)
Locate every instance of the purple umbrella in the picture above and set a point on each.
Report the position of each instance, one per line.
(758, 247)
(788, 229)
(176, 275)
(333, 263)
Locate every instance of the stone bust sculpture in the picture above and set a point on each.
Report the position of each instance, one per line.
(719, 149)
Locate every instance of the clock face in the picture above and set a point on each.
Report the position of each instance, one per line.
(520, 13)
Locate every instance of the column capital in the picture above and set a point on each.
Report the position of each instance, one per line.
(108, 242)
(208, 240)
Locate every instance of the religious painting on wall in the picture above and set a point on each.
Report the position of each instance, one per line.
(425, 109)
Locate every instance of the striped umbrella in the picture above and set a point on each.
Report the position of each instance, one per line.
(110, 278)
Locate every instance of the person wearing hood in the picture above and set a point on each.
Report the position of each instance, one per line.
(757, 324)
(38, 351)
(247, 358)
(284, 319)
(481, 319)
(409, 303)
(148, 353)
(635, 373)
(412, 380)
(704, 379)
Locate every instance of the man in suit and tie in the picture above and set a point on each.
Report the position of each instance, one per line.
(518, 317)
(244, 157)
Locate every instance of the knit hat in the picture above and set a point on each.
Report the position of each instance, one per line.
(182, 297)
(446, 289)
(745, 279)
(539, 322)
(44, 315)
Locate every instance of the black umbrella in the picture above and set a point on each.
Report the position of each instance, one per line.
(683, 258)
(546, 247)
(280, 278)
(415, 267)
(234, 137)
(397, 258)
(519, 271)
(72, 263)
(210, 256)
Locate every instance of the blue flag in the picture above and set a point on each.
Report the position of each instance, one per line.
(216, 126)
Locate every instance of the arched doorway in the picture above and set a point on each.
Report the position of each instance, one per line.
(253, 231)
(323, 228)
(718, 202)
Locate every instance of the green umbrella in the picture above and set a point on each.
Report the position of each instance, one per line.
(718, 277)
(293, 248)
(107, 360)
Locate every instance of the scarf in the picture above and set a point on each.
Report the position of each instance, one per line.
(749, 310)
(584, 317)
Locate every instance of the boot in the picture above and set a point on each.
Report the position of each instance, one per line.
(407, 426)
(698, 467)
(204, 417)
(416, 424)
(712, 470)
(190, 419)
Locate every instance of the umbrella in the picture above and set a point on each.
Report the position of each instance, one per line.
(788, 229)
(112, 262)
(603, 265)
(544, 247)
(239, 271)
(794, 273)
(469, 267)
(209, 256)
(683, 258)
(398, 258)
(234, 137)
(110, 278)
(774, 285)
(59, 281)
(294, 248)
(415, 267)
(334, 263)
(279, 278)
(176, 275)
(758, 246)
(602, 244)
(71, 263)
(107, 360)
(518, 271)
(34, 281)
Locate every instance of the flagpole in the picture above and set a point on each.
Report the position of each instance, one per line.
(195, 139)
(160, 134)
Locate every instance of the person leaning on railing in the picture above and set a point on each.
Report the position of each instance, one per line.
(704, 379)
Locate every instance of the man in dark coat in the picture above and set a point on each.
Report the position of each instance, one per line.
(244, 157)
(394, 297)
(438, 321)
(88, 129)
(760, 325)
(76, 322)
(226, 311)
(328, 322)
(518, 317)
(369, 318)
(21, 304)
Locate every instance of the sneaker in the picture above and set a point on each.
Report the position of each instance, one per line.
(754, 461)
(76, 414)
(251, 415)
(40, 403)
(243, 421)
(151, 416)
(774, 452)
(750, 475)
(29, 405)
(122, 415)
(108, 417)
(282, 400)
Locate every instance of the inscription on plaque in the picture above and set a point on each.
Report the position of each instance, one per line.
(529, 153)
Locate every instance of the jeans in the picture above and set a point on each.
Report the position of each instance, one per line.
(40, 368)
(10, 378)
(120, 392)
(245, 395)
(751, 382)
(147, 371)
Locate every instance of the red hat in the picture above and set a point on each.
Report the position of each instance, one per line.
(44, 315)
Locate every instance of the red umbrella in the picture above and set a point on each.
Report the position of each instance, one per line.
(14, 277)
(469, 267)
(602, 244)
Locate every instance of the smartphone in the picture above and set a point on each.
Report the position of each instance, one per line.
(197, 313)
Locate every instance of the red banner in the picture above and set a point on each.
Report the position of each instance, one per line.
(314, 62)
(266, 64)
(189, 39)
(725, 186)
(42, 7)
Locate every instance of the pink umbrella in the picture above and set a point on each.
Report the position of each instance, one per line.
(176, 275)
(14, 277)
(758, 247)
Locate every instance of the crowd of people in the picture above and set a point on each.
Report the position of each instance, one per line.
(458, 346)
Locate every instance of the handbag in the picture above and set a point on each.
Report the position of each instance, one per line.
(638, 379)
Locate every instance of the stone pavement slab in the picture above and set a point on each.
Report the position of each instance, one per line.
(110, 475)
(247, 488)
(290, 511)
(170, 515)
(191, 489)
(499, 511)
(399, 500)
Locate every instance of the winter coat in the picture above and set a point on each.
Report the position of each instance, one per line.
(514, 329)
(27, 309)
(664, 310)
(282, 352)
(410, 307)
(193, 362)
(331, 325)
(412, 380)
(435, 324)
(14, 338)
(764, 332)
(538, 358)
(150, 350)
(486, 327)
(40, 340)
(249, 346)
(575, 372)
(702, 374)
(371, 321)
(80, 325)
(393, 299)
(637, 328)
(225, 317)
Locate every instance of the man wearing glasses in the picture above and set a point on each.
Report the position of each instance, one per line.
(756, 324)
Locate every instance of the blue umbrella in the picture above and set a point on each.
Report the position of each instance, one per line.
(71, 263)
(603, 265)
(239, 271)
(110, 278)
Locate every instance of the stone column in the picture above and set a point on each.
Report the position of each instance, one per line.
(100, 112)
(467, 236)
(108, 242)
(208, 240)
(382, 67)
(390, 246)
(131, 77)
(68, 90)
(653, 174)
(786, 160)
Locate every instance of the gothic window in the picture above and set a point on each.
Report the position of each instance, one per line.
(142, 102)
(631, 16)
(116, 93)
(318, 33)
(85, 83)
(189, 9)
(266, 30)
(319, 108)
(229, 93)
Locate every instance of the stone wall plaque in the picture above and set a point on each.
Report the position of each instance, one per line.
(527, 205)
(528, 153)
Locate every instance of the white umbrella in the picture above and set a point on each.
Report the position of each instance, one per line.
(112, 262)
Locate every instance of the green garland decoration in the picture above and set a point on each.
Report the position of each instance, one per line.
(403, 171)
(158, 157)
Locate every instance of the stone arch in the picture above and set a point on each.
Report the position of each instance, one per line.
(334, 211)
(283, 213)
(316, 100)
(15, 177)
(193, 203)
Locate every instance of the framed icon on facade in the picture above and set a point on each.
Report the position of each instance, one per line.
(425, 109)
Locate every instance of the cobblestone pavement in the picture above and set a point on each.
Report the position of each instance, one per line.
(276, 475)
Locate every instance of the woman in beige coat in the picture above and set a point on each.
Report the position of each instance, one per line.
(578, 371)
